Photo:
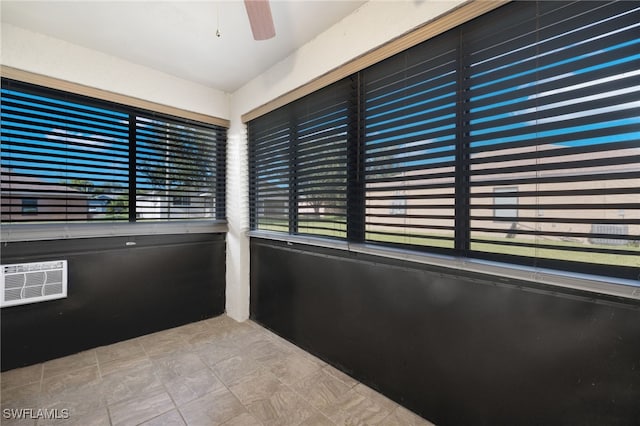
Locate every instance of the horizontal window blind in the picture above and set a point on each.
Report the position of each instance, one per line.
(69, 158)
(322, 126)
(179, 169)
(410, 103)
(513, 137)
(553, 129)
(63, 158)
(269, 171)
(298, 164)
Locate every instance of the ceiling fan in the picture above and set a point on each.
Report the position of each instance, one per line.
(259, 13)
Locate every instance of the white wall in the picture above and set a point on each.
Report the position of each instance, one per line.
(53, 57)
(373, 24)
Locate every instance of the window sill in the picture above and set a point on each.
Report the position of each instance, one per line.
(62, 231)
(598, 284)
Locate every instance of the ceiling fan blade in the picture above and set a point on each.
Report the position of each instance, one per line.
(259, 13)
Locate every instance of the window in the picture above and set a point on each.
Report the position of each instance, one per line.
(181, 201)
(513, 138)
(29, 206)
(298, 164)
(552, 107)
(505, 205)
(398, 206)
(269, 171)
(410, 145)
(84, 160)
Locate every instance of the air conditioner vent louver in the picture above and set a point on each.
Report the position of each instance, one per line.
(33, 282)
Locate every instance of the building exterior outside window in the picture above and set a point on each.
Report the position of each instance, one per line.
(500, 213)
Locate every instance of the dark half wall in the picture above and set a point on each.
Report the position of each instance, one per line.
(116, 291)
(457, 348)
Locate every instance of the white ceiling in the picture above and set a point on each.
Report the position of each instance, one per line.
(179, 37)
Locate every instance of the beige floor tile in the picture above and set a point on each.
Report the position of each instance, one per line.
(212, 409)
(164, 342)
(317, 420)
(172, 418)
(76, 383)
(202, 338)
(133, 362)
(69, 363)
(233, 370)
(195, 328)
(139, 409)
(257, 386)
(293, 349)
(122, 350)
(192, 385)
(16, 399)
(75, 403)
(18, 421)
(356, 409)
(403, 417)
(226, 322)
(213, 353)
(344, 378)
(221, 321)
(266, 351)
(246, 340)
(27, 396)
(280, 340)
(376, 397)
(21, 376)
(185, 376)
(80, 402)
(244, 419)
(284, 407)
(97, 416)
(322, 389)
(129, 383)
(214, 330)
(252, 323)
(294, 367)
(237, 331)
(169, 366)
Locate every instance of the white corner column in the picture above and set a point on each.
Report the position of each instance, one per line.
(237, 274)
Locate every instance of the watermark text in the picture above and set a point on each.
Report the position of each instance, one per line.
(35, 413)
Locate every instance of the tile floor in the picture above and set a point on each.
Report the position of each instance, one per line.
(213, 372)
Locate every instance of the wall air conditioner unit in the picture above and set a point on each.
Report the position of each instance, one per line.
(24, 283)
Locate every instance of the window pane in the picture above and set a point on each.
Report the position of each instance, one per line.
(321, 160)
(553, 117)
(269, 157)
(176, 169)
(61, 155)
(410, 144)
(298, 164)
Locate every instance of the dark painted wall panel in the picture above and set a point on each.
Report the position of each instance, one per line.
(115, 292)
(459, 349)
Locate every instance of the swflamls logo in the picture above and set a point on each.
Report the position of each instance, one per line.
(31, 413)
